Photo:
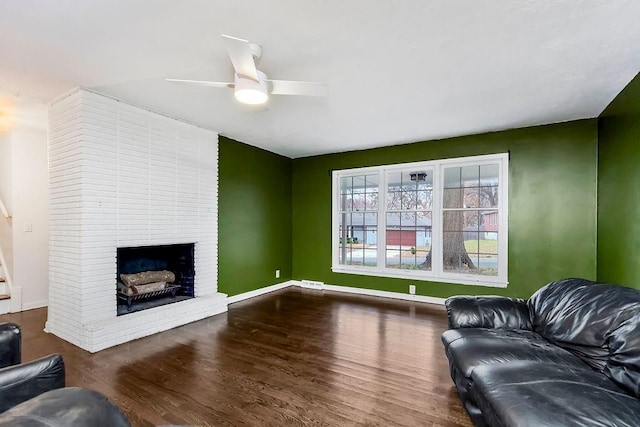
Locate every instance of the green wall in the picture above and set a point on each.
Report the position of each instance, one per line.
(619, 189)
(552, 206)
(254, 217)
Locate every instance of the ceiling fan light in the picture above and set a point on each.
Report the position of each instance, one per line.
(251, 92)
(251, 96)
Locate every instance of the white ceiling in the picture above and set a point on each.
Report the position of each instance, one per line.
(398, 70)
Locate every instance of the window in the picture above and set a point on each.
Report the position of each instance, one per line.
(443, 220)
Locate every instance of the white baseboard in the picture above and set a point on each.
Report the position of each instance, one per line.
(346, 289)
(261, 291)
(34, 304)
(374, 293)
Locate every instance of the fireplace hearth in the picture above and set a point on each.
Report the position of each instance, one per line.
(151, 276)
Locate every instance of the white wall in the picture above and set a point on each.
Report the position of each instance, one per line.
(24, 188)
(6, 181)
(30, 209)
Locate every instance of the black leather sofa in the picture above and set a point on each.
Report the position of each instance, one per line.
(567, 356)
(34, 393)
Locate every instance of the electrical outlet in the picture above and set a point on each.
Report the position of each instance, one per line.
(277, 274)
(412, 289)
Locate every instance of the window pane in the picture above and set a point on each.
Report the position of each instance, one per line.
(392, 257)
(356, 255)
(410, 190)
(452, 178)
(410, 180)
(369, 239)
(425, 180)
(471, 198)
(425, 199)
(453, 198)
(456, 258)
(488, 248)
(489, 175)
(472, 245)
(371, 192)
(471, 221)
(488, 197)
(394, 200)
(393, 228)
(346, 194)
(470, 242)
(346, 184)
(409, 199)
(423, 231)
(359, 193)
(358, 184)
(489, 221)
(408, 230)
(357, 227)
(394, 191)
(453, 220)
(393, 236)
(422, 260)
(342, 231)
(358, 200)
(408, 240)
(470, 176)
(488, 265)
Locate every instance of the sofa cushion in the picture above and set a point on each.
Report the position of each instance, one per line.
(540, 394)
(469, 348)
(580, 315)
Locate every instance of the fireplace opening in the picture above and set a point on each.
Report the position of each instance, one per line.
(151, 276)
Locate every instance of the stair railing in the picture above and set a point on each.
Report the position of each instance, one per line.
(3, 210)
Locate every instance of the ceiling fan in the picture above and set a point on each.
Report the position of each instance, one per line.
(251, 86)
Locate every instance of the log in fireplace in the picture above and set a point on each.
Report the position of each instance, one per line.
(150, 276)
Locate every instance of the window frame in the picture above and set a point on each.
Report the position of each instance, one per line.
(436, 274)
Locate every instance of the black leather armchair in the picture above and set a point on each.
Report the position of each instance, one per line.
(34, 393)
(21, 382)
(10, 344)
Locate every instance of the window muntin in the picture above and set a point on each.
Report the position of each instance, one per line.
(443, 220)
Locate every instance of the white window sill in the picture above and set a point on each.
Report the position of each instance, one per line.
(470, 280)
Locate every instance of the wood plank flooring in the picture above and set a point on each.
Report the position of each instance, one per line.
(293, 357)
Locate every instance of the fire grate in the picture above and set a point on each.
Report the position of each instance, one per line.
(129, 299)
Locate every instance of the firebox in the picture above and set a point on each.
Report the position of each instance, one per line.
(150, 276)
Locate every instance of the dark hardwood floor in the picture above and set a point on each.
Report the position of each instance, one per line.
(292, 357)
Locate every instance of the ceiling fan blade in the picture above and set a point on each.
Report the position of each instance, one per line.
(203, 83)
(240, 53)
(290, 87)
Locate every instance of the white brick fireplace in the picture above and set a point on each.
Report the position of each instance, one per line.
(122, 176)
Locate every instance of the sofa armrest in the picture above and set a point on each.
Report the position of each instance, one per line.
(10, 341)
(487, 312)
(23, 382)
